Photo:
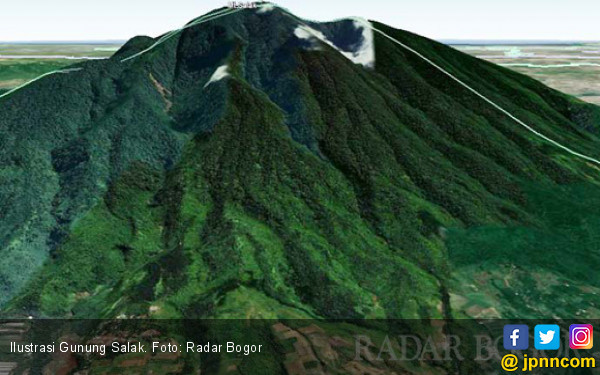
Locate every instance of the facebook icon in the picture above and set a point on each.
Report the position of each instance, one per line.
(516, 337)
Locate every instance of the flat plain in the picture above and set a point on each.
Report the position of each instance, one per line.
(20, 63)
(571, 68)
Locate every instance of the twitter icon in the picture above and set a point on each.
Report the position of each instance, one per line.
(547, 337)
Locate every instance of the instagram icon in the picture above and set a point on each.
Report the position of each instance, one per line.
(581, 336)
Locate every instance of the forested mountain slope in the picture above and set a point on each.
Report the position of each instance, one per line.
(256, 165)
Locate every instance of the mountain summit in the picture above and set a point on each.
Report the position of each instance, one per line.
(253, 164)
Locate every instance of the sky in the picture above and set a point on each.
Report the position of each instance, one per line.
(27, 20)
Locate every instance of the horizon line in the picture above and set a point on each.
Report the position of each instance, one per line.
(66, 41)
(465, 41)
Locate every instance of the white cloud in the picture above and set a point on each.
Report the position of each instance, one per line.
(363, 54)
(218, 75)
(265, 8)
(307, 33)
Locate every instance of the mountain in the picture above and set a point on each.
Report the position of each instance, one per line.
(256, 165)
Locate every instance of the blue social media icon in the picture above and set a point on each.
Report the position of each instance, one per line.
(547, 337)
(516, 337)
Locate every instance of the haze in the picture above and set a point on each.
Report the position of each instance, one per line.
(29, 20)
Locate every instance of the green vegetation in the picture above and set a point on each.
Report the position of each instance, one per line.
(20, 63)
(527, 267)
(300, 186)
(54, 49)
(16, 72)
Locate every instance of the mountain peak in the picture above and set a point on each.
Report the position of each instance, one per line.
(255, 161)
(352, 37)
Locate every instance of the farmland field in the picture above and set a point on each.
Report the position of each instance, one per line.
(570, 68)
(20, 63)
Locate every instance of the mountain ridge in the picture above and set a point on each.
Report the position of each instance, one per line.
(302, 184)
